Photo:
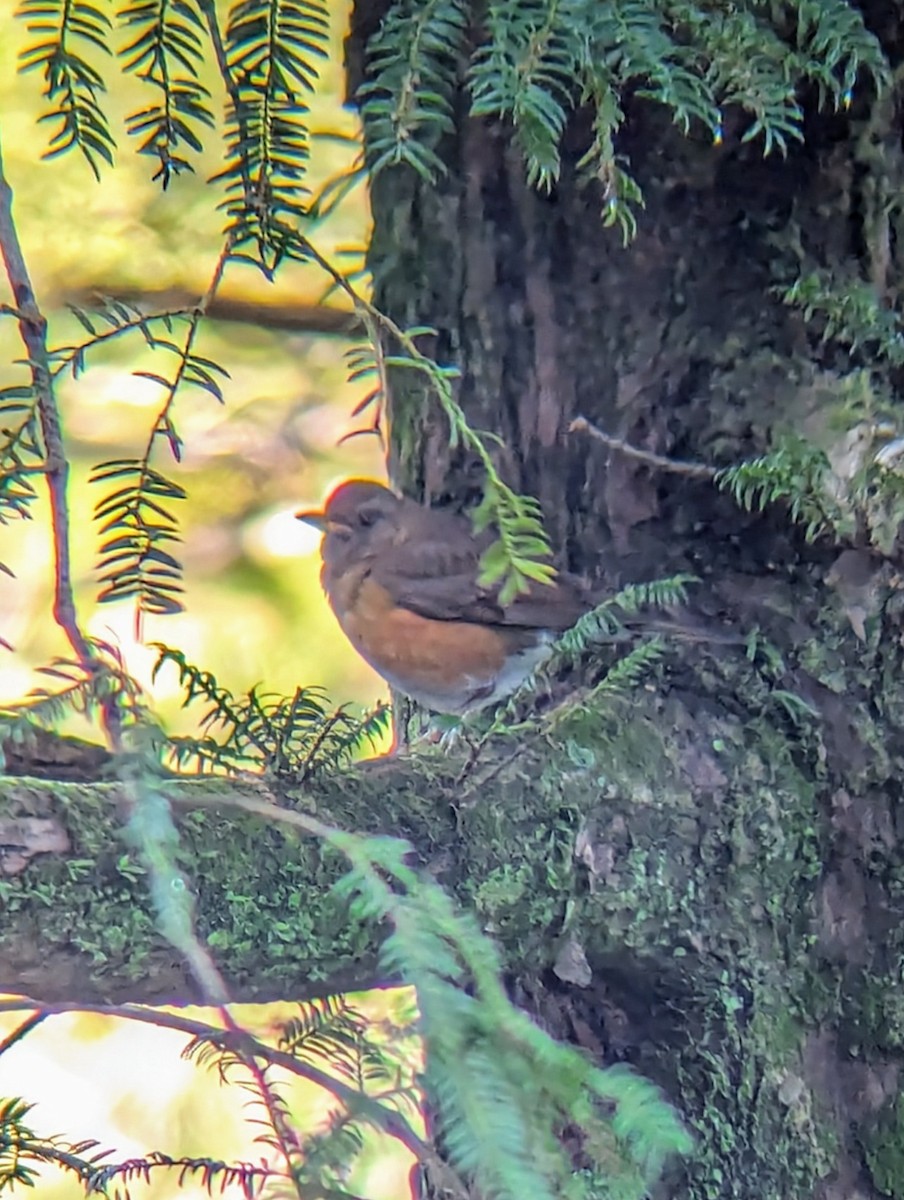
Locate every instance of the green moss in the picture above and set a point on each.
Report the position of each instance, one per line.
(883, 1146)
(264, 903)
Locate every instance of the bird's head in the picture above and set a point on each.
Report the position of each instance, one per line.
(358, 518)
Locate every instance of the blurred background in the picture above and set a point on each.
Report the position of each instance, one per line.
(255, 613)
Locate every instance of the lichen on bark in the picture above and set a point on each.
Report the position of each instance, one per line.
(731, 918)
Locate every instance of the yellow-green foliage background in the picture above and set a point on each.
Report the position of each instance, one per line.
(255, 612)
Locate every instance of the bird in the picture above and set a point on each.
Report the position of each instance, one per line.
(404, 584)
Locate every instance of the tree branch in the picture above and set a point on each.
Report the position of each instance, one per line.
(33, 330)
(292, 317)
(659, 461)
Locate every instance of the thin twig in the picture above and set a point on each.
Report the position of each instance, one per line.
(288, 1143)
(257, 807)
(674, 465)
(374, 320)
(64, 358)
(21, 1031)
(368, 1107)
(33, 330)
(162, 424)
(209, 9)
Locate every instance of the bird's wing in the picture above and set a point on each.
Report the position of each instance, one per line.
(451, 597)
(434, 572)
(438, 578)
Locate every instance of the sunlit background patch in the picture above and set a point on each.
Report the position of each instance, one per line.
(255, 613)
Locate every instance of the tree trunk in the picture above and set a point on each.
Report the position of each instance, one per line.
(733, 914)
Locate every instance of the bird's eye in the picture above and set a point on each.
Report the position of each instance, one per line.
(369, 516)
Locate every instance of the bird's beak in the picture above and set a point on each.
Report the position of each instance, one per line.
(315, 518)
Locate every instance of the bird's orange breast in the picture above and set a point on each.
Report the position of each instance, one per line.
(449, 666)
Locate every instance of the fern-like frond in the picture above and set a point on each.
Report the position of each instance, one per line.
(632, 41)
(328, 1030)
(206, 754)
(527, 71)
(627, 674)
(537, 58)
(606, 620)
(517, 558)
(641, 1120)
(22, 1151)
(483, 1120)
(68, 29)
(136, 559)
(211, 1174)
(750, 67)
(343, 736)
(835, 46)
(620, 194)
(296, 734)
(110, 321)
(166, 52)
(208, 1051)
(87, 689)
(793, 472)
(406, 102)
(501, 1089)
(327, 1156)
(849, 311)
(633, 45)
(21, 450)
(272, 50)
(16, 1165)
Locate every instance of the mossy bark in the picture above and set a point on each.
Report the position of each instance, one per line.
(682, 882)
(732, 833)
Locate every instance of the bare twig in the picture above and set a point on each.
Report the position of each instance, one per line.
(240, 1041)
(163, 425)
(258, 807)
(661, 463)
(33, 330)
(64, 358)
(31, 1022)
